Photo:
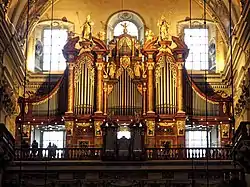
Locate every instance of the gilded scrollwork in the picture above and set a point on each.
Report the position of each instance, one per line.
(78, 67)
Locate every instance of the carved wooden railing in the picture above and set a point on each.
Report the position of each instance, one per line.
(150, 154)
(188, 153)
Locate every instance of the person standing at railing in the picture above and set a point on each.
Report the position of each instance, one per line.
(34, 148)
(54, 148)
(167, 149)
(50, 150)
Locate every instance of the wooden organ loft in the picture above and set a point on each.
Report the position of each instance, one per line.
(122, 79)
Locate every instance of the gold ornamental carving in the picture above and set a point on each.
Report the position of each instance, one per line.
(180, 128)
(125, 61)
(225, 130)
(98, 131)
(151, 128)
(110, 70)
(149, 35)
(69, 127)
(83, 124)
(79, 65)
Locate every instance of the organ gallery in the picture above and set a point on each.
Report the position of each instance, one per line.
(124, 79)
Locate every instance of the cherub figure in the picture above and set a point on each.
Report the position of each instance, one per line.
(149, 35)
(163, 28)
(87, 29)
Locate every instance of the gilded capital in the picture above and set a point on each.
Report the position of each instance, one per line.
(180, 65)
(99, 66)
(71, 65)
(150, 65)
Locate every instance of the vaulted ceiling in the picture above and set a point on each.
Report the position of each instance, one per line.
(217, 10)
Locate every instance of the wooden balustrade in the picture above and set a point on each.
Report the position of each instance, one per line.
(150, 153)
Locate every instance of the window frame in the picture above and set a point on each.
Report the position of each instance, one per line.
(212, 36)
(39, 34)
(42, 39)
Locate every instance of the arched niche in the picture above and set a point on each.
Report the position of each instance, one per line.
(125, 15)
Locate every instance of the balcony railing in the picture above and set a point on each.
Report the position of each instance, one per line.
(96, 154)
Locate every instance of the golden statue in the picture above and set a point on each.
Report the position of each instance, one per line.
(137, 69)
(143, 69)
(125, 28)
(112, 69)
(149, 35)
(87, 28)
(163, 28)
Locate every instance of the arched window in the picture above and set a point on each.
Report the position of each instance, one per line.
(135, 25)
(201, 43)
(131, 27)
(46, 46)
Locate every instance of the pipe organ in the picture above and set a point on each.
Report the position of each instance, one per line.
(126, 78)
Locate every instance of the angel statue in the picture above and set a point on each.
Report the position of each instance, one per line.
(163, 28)
(137, 69)
(143, 69)
(112, 69)
(149, 35)
(87, 29)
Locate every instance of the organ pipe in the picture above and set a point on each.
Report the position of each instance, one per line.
(84, 91)
(124, 99)
(165, 87)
